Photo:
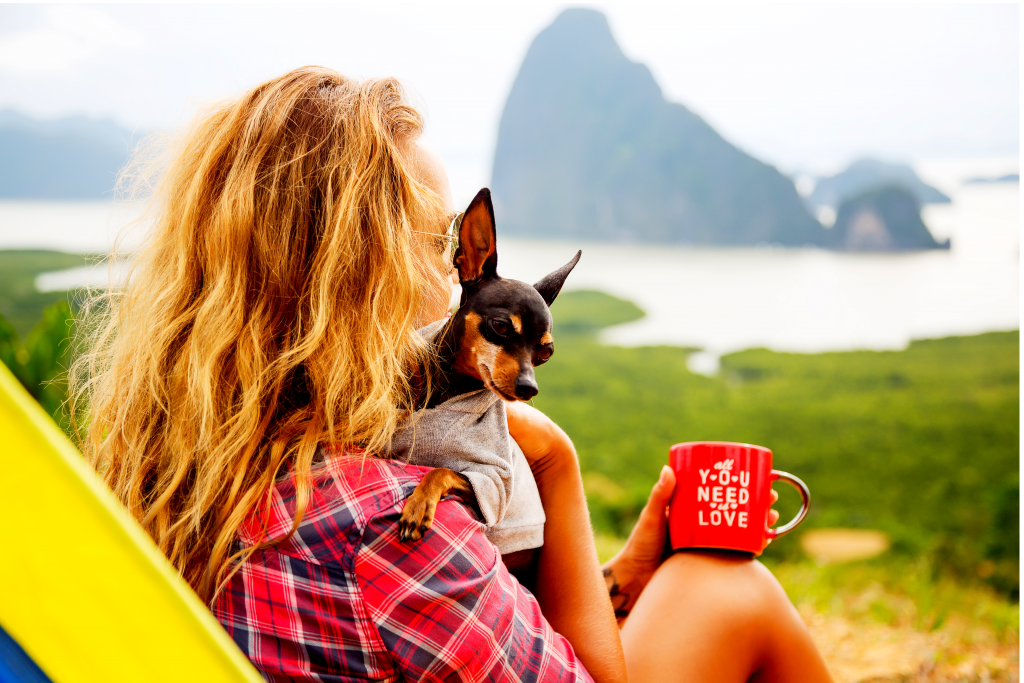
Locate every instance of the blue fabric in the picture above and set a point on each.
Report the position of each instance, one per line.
(15, 664)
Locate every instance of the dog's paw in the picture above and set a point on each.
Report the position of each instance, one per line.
(417, 517)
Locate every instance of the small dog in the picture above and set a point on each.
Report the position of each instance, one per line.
(500, 332)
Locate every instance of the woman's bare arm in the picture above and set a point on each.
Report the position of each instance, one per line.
(570, 588)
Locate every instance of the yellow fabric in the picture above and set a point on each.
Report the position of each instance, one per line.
(83, 589)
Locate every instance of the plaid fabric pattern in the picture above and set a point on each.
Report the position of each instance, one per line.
(344, 600)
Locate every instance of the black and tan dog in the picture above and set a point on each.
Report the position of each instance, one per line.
(501, 331)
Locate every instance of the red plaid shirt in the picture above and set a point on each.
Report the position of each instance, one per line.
(344, 600)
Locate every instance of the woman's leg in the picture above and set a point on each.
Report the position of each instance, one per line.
(708, 616)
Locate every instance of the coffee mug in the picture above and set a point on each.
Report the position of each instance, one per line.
(723, 495)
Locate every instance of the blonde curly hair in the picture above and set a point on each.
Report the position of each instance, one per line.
(273, 309)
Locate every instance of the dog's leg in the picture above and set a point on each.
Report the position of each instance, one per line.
(418, 513)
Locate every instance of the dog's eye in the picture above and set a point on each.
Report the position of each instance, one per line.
(500, 327)
(542, 355)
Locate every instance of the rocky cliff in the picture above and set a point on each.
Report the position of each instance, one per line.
(886, 219)
(588, 148)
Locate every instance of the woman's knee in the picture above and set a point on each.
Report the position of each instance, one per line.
(740, 591)
(748, 625)
(704, 612)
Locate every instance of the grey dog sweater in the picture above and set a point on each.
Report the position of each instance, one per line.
(469, 434)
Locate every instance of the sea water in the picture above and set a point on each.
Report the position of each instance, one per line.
(806, 300)
(719, 300)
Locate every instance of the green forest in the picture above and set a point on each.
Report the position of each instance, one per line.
(920, 443)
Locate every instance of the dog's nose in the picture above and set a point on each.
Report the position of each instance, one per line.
(526, 388)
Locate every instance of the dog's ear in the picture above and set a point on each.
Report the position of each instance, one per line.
(477, 256)
(551, 284)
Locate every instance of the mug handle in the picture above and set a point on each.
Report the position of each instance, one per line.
(805, 495)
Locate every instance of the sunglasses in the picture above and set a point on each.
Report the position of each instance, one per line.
(448, 243)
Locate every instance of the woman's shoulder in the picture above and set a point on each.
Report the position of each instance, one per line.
(447, 608)
(346, 491)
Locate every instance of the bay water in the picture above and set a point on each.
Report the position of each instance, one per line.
(715, 299)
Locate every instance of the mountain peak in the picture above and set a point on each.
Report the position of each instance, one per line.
(577, 48)
(580, 19)
(589, 148)
(584, 32)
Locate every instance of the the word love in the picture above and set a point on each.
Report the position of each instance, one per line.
(728, 491)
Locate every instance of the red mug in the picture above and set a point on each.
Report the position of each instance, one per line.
(723, 495)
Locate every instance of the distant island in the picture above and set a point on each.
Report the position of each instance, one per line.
(865, 175)
(1012, 178)
(588, 148)
(885, 219)
(69, 158)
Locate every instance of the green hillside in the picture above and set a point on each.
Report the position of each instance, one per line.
(921, 443)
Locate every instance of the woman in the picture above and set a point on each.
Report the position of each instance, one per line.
(260, 355)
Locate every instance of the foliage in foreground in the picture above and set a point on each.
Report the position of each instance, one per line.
(894, 590)
(900, 592)
(20, 302)
(40, 362)
(920, 443)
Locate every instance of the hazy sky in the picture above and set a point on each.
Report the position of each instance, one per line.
(798, 86)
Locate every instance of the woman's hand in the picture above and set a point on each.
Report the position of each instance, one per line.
(628, 572)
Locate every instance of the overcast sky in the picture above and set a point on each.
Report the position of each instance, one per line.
(799, 86)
